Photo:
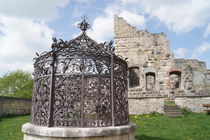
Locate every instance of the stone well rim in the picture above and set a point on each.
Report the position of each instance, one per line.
(31, 129)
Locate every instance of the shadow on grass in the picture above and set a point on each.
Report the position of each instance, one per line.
(144, 137)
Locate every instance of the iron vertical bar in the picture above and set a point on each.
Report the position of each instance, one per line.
(112, 90)
(52, 81)
(99, 93)
(127, 79)
(32, 105)
(126, 90)
(82, 96)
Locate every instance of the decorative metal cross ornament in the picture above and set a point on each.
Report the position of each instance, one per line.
(83, 25)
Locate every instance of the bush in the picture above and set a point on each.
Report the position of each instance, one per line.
(186, 111)
(16, 84)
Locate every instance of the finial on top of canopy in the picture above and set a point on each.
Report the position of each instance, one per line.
(83, 25)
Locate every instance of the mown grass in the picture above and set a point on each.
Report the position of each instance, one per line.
(159, 127)
(169, 103)
(149, 127)
(10, 127)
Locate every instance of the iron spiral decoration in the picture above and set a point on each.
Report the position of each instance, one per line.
(80, 83)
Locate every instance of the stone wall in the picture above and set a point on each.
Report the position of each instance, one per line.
(155, 104)
(150, 53)
(194, 103)
(194, 78)
(145, 105)
(14, 106)
(155, 75)
(152, 65)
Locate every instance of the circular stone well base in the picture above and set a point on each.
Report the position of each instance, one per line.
(36, 132)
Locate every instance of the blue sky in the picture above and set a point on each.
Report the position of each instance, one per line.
(27, 26)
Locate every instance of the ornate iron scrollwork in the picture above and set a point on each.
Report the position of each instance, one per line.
(80, 83)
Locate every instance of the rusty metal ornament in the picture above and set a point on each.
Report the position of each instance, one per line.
(80, 83)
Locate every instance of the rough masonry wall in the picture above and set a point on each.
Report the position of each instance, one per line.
(195, 104)
(160, 76)
(145, 105)
(148, 105)
(149, 52)
(14, 106)
(195, 80)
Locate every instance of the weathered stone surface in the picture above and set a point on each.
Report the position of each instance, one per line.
(195, 104)
(146, 105)
(151, 54)
(34, 132)
(14, 106)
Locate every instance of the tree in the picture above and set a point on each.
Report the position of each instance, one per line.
(16, 84)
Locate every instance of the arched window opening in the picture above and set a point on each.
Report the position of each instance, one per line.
(175, 79)
(133, 77)
(150, 81)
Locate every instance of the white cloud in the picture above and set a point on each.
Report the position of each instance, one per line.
(32, 9)
(85, 1)
(180, 52)
(179, 15)
(129, 1)
(133, 18)
(20, 40)
(103, 26)
(203, 48)
(24, 31)
(207, 31)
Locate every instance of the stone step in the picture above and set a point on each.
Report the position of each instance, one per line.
(174, 116)
(174, 108)
(172, 111)
(171, 106)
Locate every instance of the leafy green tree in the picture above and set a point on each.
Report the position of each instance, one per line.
(16, 84)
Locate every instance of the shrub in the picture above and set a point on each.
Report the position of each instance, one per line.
(186, 111)
(16, 84)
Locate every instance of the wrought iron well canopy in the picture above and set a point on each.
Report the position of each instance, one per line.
(80, 83)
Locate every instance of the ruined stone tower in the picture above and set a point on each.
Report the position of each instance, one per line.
(154, 74)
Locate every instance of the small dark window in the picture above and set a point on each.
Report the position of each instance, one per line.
(133, 77)
(175, 79)
(150, 80)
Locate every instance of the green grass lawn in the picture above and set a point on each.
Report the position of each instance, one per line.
(10, 127)
(149, 127)
(158, 127)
